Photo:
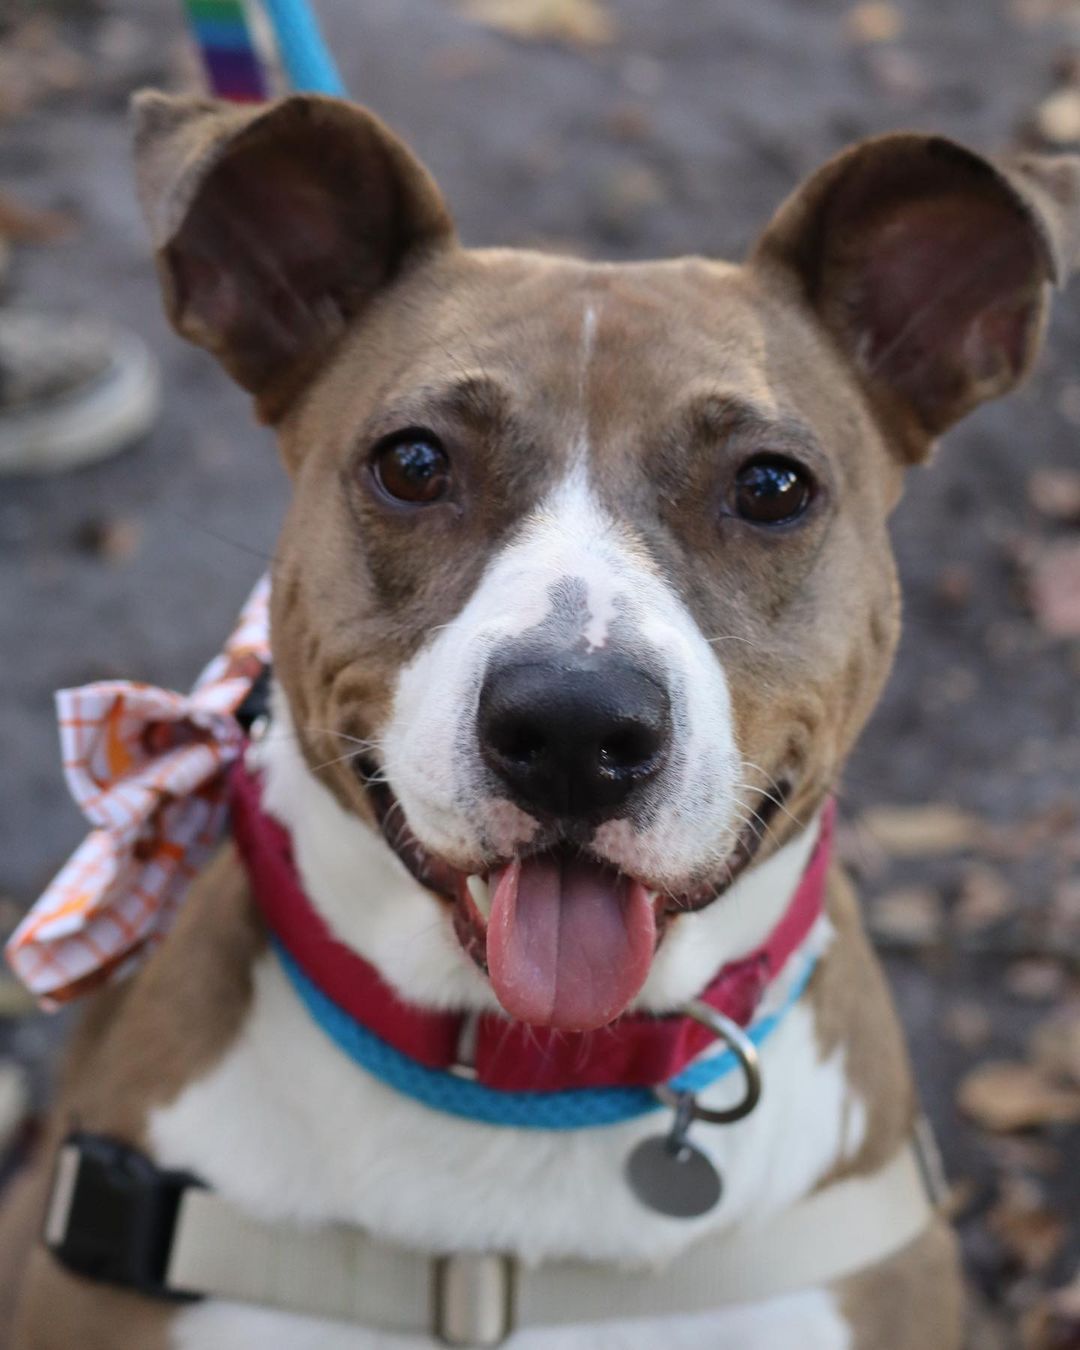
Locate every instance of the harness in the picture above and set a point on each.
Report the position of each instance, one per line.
(114, 1216)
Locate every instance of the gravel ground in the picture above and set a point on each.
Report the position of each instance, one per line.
(681, 134)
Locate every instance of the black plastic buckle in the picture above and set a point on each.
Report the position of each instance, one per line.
(256, 702)
(112, 1214)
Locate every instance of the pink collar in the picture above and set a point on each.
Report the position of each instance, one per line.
(639, 1050)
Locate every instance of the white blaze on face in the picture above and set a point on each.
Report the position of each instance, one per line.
(569, 546)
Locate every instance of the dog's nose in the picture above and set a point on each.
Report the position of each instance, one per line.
(573, 737)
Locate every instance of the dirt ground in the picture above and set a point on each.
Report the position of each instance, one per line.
(678, 132)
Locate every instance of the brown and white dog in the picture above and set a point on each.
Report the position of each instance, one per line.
(593, 561)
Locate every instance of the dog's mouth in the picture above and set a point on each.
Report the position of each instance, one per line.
(566, 939)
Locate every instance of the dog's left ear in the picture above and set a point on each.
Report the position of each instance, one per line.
(276, 225)
(930, 267)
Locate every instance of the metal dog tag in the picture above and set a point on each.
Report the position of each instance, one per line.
(669, 1175)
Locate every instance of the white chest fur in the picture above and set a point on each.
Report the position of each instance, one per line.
(291, 1129)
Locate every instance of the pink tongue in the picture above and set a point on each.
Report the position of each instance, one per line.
(569, 943)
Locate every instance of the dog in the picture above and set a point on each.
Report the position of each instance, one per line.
(587, 572)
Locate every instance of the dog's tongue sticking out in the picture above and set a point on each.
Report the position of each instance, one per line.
(569, 943)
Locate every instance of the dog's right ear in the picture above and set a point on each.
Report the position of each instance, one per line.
(929, 266)
(274, 226)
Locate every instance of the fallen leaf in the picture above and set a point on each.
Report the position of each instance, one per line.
(967, 1024)
(1023, 1153)
(1004, 1096)
(629, 122)
(585, 23)
(955, 584)
(874, 21)
(985, 898)
(114, 539)
(1065, 910)
(1054, 588)
(1055, 493)
(34, 63)
(1057, 118)
(32, 225)
(1054, 1322)
(911, 915)
(963, 1193)
(1030, 1231)
(922, 831)
(1049, 828)
(1055, 1044)
(1035, 980)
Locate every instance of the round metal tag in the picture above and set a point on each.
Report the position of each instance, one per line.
(673, 1177)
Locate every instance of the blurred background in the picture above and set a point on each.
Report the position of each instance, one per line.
(623, 129)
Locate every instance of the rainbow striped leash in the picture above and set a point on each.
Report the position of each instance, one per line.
(234, 69)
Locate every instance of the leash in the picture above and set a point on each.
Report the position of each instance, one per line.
(227, 42)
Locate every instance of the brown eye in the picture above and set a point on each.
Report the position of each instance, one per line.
(412, 467)
(772, 490)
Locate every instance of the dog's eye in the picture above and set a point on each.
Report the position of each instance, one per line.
(412, 466)
(772, 490)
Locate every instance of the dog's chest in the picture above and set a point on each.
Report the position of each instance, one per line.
(289, 1128)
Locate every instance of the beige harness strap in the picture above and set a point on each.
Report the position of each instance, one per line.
(479, 1299)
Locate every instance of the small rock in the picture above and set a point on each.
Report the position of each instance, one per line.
(1057, 118)
(1055, 493)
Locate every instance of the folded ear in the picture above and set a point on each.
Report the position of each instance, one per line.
(275, 226)
(930, 266)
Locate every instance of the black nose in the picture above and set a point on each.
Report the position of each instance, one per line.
(573, 737)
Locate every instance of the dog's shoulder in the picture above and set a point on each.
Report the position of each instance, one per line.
(142, 1042)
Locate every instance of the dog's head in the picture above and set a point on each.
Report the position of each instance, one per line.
(588, 562)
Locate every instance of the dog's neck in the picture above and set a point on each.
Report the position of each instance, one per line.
(375, 907)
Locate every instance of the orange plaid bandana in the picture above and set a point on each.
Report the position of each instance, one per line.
(146, 766)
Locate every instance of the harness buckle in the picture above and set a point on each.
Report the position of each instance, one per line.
(112, 1214)
(473, 1299)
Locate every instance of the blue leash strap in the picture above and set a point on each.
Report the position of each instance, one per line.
(303, 52)
(571, 1109)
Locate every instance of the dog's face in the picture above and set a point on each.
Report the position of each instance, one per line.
(589, 563)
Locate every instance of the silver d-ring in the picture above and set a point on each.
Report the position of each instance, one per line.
(744, 1050)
